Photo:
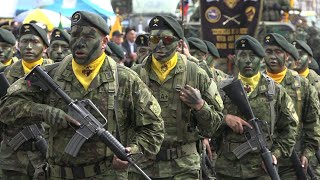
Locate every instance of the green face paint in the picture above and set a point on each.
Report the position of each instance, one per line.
(247, 62)
(275, 59)
(58, 50)
(302, 64)
(31, 47)
(6, 52)
(163, 52)
(85, 44)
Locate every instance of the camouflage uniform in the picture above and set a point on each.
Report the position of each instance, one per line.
(304, 97)
(182, 126)
(282, 129)
(136, 109)
(2, 67)
(272, 9)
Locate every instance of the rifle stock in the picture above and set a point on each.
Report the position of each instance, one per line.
(256, 140)
(90, 125)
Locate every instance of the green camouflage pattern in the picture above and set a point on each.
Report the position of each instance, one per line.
(204, 122)
(14, 59)
(314, 80)
(308, 137)
(280, 144)
(137, 110)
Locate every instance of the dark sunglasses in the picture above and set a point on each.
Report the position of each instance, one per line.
(165, 39)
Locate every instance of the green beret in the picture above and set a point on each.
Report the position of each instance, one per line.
(166, 22)
(302, 45)
(59, 34)
(314, 65)
(247, 42)
(108, 50)
(116, 49)
(196, 43)
(84, 18)
(7, 37)
(278, 40)
(142, 40)
(212, 49)
(31, 28)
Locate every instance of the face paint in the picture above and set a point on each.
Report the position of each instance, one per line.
(162, 52)
(302, 63)
(58, 50)
(6, 52)
(142, 53)
(247, 62)
(85, 44)
(198, 54)
(31, 47)
(275, 59)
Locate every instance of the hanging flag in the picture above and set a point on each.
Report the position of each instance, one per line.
(185, 7)
(116, 26)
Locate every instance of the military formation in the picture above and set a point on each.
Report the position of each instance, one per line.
(82, 114)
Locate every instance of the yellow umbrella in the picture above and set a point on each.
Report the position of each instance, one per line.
(39, 16)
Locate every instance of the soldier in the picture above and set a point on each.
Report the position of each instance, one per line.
(117, 53)
(7, 48)
(59, 45)
(213, 55)
(32, 43)
(304, 96)
(199, 50)
(143, 49)
(190, 102)
(269, 102)
(87, 73)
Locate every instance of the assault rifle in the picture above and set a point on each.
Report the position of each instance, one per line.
(255, 137)
(4, 85)
(90, 125)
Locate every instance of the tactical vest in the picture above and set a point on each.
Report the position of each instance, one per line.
(183, 126)
(111, 88)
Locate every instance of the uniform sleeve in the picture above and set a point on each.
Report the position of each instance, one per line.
(21, 102)
(149, 125)
(286, 127)
(311, 127)
(209, 117)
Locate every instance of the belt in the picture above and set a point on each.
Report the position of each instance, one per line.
(176, 152)
(79, 172)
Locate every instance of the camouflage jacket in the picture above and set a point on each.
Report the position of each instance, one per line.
(280, 131)
(136, 109)
(306, 102)
(15, 71)
(216, 74)
(182, 125)
(2, 67)
(314, 79)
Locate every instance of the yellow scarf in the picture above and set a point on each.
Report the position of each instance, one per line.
(163, 69)
(7, 63)
(27, 66)
(278, 77)
(252, 82)
(305, 73)
(86, 73)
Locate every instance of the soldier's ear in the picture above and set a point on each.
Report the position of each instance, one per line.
(105, 40)
(309, 59)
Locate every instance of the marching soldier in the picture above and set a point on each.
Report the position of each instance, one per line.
(7, 48)
(59, 45)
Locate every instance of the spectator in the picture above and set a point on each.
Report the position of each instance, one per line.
(117, 37)
(130, 47)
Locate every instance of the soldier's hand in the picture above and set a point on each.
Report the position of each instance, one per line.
(304, 163)
(275, 162)
(118, 163)
(206, 145)
(236, 123)
(191, 97)
(55, 116)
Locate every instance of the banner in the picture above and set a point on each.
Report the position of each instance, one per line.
(224, 21)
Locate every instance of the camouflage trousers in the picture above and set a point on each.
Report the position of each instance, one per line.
(15, 175)
(225, 177)
(191, 175)
(313, 162)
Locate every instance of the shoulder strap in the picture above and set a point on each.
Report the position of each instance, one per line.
(270, 95)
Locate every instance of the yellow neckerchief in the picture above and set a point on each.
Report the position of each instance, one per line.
(86, 73)
(305, 73)
(251, 81)
(27, 66)
(163, 69)
(278, 77)
(7, 63)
